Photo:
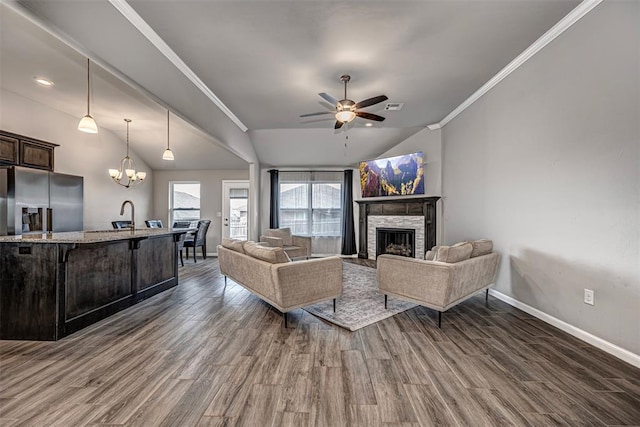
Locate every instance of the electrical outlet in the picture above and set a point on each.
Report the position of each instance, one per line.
(589, 297)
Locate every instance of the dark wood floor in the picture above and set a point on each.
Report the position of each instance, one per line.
(204, 355)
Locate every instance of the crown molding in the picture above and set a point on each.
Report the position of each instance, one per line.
(564, 24)
(145, 29)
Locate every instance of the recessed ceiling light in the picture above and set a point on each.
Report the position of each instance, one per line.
(43, 81)
(368, 124)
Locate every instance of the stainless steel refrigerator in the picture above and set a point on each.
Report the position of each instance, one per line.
(37, 201)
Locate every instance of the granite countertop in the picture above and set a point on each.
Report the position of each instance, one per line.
(90, 236)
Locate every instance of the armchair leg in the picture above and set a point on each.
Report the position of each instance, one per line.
(225, 281)
(439, 320)
(334, 305)
(486, 296)
(385, 301)
(181, 260)
(285, 319)
(204, 252)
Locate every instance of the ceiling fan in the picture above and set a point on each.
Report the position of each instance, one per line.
(346, 110)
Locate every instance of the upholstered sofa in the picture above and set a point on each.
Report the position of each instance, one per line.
(268, 273)
(448, 276)
(294, 246)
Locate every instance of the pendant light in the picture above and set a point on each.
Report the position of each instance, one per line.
(168, 154)
(87, 124)
(126, 175)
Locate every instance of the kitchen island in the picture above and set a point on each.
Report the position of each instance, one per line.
(52, 285)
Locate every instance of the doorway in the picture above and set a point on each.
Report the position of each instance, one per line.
(235, 209)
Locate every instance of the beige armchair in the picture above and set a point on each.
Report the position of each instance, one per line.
(294, 246)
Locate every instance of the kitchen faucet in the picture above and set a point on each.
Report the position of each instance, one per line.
(133, 213)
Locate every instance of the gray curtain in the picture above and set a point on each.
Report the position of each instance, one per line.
(275, 199)
(348, 231)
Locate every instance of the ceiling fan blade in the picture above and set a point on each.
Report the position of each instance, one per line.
(371, 101)
(369, 116)
(317, 114)
(330, 99)
(338, 124)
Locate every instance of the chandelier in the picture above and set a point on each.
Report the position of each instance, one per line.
(127, 176)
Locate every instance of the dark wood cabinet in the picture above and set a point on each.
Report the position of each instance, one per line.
(19, 150)
(8, 150)
(50, 290)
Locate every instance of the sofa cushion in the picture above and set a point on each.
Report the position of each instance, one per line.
(295, 251)
(481, 247)
(233, 244)
(266, 253)
(456, 253)
(283, 233)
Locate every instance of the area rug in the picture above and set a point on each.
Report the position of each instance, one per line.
(361, 304)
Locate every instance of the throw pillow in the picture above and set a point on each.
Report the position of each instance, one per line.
(266, 253)
(430, 255)
(283, 233)
(481, 247)
(233, 244)
(456, 253)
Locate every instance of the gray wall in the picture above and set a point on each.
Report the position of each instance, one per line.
(81, 154)
(430, 143)
(547, 165)
(210, 196)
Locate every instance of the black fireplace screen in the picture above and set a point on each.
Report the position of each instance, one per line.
(395, 241)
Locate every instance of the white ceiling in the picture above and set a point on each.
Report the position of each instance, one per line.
(267, 61)
(27, 51)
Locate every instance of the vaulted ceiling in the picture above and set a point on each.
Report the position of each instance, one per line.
(266, 61)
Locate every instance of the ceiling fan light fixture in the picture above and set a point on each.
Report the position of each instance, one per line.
(345, 116)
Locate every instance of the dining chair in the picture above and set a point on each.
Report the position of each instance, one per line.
(198, 240)
(153, 223)
(119, 225)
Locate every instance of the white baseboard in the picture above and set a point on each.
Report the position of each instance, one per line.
(603, 345)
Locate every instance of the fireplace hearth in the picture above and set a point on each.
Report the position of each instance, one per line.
(395, 241)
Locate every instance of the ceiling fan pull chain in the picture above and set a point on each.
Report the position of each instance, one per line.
(346, 138)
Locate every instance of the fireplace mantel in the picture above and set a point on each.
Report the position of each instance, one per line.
(410, 206)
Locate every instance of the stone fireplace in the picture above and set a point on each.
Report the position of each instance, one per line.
(396, 241)
(417, 214)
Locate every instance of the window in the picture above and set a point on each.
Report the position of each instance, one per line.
(238, 206)
(184, 201)
(311, 203)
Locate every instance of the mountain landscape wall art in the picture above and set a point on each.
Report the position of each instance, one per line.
(393, 176)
